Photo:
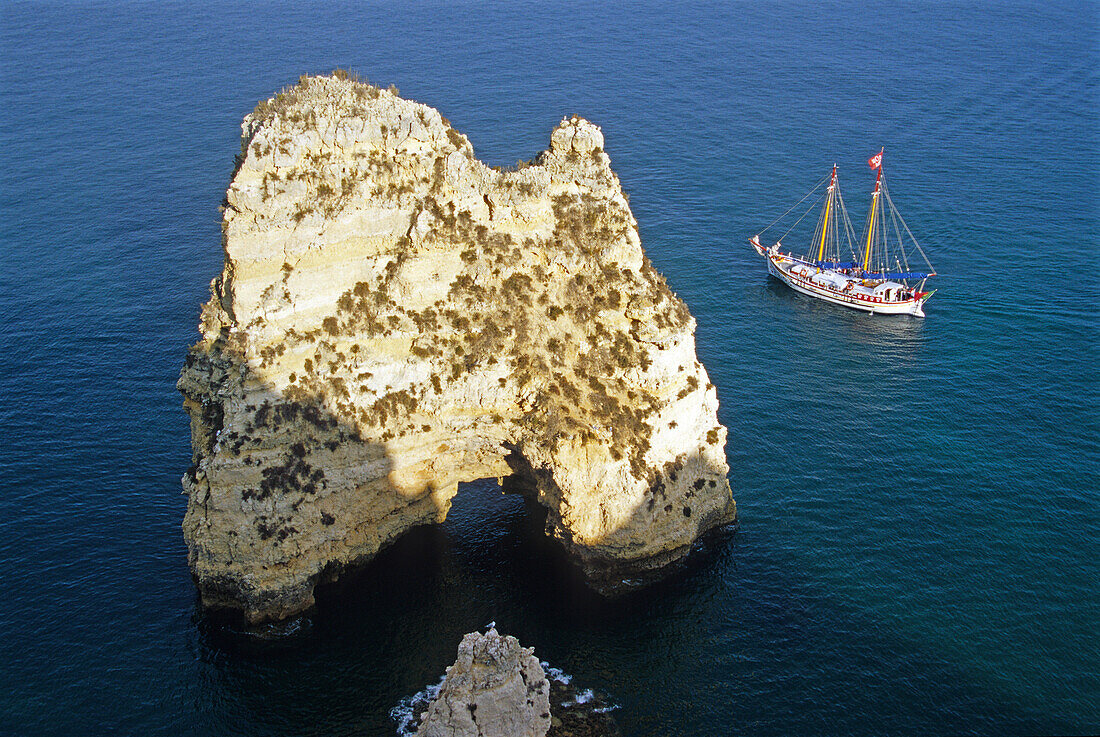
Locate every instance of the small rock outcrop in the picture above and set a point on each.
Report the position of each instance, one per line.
(496, 688)
(395, 318)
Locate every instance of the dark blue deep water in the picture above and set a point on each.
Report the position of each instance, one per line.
(919, 498)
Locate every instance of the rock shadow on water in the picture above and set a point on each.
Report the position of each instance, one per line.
(560, 587)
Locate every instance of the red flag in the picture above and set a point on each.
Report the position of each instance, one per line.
(875, 161)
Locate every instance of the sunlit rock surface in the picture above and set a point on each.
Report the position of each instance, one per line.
(395, 318)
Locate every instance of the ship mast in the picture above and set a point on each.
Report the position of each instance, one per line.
(876, 162)
(825, 222)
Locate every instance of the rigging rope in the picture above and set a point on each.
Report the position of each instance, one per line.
(897, 232)
(816, 187)
(816, 229)
(808, 210)
(849, 233)
(926, 261)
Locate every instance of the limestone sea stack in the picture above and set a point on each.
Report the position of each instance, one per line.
(395, 318)
(496, 688)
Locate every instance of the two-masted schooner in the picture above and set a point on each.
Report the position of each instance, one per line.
(876, 277)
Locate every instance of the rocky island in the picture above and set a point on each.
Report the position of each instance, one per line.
(498, 688)
(394, 318)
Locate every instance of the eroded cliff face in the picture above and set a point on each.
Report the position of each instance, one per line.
(395, 318)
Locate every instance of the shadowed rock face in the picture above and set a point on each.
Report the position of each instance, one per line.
(395, 318)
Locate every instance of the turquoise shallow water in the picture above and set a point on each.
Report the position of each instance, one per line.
(919, 499)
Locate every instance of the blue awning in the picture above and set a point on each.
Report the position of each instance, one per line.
(895, 275)
(872, 274)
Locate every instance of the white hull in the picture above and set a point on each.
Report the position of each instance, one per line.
(851, 295)
(881, 285)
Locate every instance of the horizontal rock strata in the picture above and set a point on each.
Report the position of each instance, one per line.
(395, 318)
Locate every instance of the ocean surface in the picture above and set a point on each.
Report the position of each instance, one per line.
(919, 499)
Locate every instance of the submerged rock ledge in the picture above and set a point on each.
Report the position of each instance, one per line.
(395, 318)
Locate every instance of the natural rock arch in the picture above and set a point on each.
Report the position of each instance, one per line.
(394, 317)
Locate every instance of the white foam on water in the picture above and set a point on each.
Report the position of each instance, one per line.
(406, 710)
(556, 674)
(582, 698)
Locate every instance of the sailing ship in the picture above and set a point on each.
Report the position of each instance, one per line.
(875, 278)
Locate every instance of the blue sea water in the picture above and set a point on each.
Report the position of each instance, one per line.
(919, 498)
